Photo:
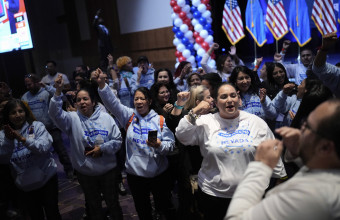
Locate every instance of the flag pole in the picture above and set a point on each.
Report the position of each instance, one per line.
(277, 46)
(255, 52)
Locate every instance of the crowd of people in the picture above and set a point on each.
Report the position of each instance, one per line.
(230, 142)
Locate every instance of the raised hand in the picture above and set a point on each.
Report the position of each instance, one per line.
(286, 44)
(168, 107)
(258, 61)
(182, 98)
(110, 60)
(263, 94)
(202, 108)
(269, 152)
(277, 57)
(290, 139)
(288, 88)
(59, 84)
(232, 50)
(328, 41)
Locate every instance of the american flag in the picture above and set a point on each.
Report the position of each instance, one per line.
(276, 19)
(232, 22)
(323, 16)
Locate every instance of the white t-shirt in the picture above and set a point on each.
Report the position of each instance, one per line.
(48, 79)
(227, 147)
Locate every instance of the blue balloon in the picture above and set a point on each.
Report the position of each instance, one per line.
(202, 21)
(198, 59)
(207, 26)
(190, 46)
(197, 14)
(179, 34)
(193, 9)
(210, 32)
(185, 41)
(175, 29)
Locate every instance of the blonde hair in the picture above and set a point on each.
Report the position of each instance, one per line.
(122, 61)
(196, 93)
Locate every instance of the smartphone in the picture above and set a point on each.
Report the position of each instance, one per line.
(152, 136)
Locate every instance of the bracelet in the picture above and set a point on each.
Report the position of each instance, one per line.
(178, 106)
(193, 117)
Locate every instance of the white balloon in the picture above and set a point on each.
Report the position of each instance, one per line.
(184, 28)
(180, 47)
(181, 3)
(209, 39)
(198, 27)
(196, 46)
(177, 63)
(196, 3)
(189, 15)
(209, 20)
(186, 53)
(202, 8)
(201, 52)
(188, 35)
(206, 14)
(194, 22)
(173, 16)
(204, 33)
(192, 40)
(186, 8)
(178, 22)
(176, 41)
(191, 59)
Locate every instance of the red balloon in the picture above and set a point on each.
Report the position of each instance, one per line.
(187, 21)
(205, 1)
(182, 14)
(178, 54)
(199, 40)
(205, 46)
(208, 7)
(177, 9)
(191, 28)
(180, 59)
(173, 3)
(196, 34)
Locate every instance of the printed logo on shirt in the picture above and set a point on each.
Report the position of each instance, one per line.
(95, 132)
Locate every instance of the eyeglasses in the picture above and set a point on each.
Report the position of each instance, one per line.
(305, 125)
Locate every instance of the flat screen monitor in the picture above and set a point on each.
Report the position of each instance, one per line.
(14, 28)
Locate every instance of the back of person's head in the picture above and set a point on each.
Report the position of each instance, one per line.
(337, 64)
(254, 84)
(329, 126)
(143, 59)
(180, 68)
(214, 81)
(196, 94)
(12, 104)
(316, 93)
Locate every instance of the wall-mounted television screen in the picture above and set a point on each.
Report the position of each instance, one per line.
(14, 28)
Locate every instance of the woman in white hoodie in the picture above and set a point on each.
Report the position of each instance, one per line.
(228, 141)
(95, 138)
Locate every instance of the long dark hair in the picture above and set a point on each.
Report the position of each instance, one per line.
(271, 81)
(180, 68)
(171, 79)
(254, 85)
(155, 105)
(11, 104)
(316, 93)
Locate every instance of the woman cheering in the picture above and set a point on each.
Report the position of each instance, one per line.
(228, 141)
(95, 139)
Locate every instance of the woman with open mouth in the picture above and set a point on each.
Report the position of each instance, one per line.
(247, 84)
(227, 141)
(146, 162)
